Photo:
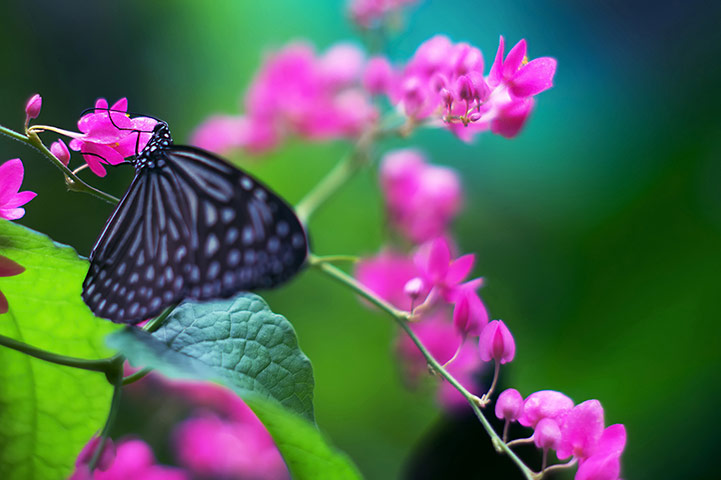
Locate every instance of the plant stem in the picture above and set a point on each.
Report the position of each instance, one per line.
(134, 377)
(157, 322)
(102, 365)
(401, 318)
(115, 375)
(73, 182)
(334, 179)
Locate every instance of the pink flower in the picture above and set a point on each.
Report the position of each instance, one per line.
(60, 150)
(547, 434)
(470, 316)
(509, 405)
(210, 447)
(11, 198)
(296, 91)
(496, 342)
(605, 463)
(438, 270)
(109, 135)
(444, 84)
(378, 75)
(437, 334)
(369, 13)
(32, 108)
(387, 274)
(545, 404)
(421, 199)
(8, 268)
(134, 459)
(581, 431)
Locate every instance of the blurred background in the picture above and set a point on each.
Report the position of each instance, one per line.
(598, 229)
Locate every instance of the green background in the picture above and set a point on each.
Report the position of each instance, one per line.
(598, 229)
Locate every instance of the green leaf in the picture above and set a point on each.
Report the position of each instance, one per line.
(47, 412)
(241, 344)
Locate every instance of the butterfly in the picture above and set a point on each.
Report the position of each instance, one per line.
(190, 225)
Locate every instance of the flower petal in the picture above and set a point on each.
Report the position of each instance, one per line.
(11, 213)
(11, 177)
(459, 269)
(20, 199)
(534, 77)
(496, 74)
(514, 59)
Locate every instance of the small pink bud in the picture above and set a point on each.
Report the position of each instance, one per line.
(447, 97)
(414, 287)
(474, 117)
(438, 82)
(60, 150)
(107, 457)
(547, 434)
(32, 108)
(545, 404)
(464, 89)
(509, 405)
(496, 342)
(481, 90)
(469, 314)
(377, 75)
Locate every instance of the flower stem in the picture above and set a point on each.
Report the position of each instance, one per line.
(134, 377)
(103, 365)
(401, 318)
(116, 378)
(73, 182)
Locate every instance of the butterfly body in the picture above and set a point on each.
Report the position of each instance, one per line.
(190, 226)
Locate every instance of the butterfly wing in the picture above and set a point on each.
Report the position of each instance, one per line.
(195, 227)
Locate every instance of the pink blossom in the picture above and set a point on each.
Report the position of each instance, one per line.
(545, 404)
(496, 342)
(109, 135)
(605, 463)
(437, 334)
(106, 458)
(378, 75)
(387, 274)
(547, 434)
(297, 92)
(61, 152)
(32, 107)
(421, 199)
(470, 316)
(369, 13)
(211, 447)
(443, 83)
(11, 198)
(8, 268)
(133, 459)
(581, 431)
(433, 260)
(509, 405)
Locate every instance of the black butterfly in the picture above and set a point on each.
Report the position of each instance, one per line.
(189, 226)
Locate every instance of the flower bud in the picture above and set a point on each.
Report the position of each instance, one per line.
(60, 150)
(547, 434)
(438, 82)
(32, 108)
(413, 287)
(474, 117)
(509, 405)
(481, 90)
(447, 97)
(545, 404)
(464, 89)
(377, 75)
(413, 97)
(469, 314)
(496, 342)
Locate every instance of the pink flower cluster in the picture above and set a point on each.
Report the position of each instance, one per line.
(369, 13)
(133, 458)
(450, 310)
(108, 136)
(572, 431)
(421, 199)
(444, 82)
(296, 92)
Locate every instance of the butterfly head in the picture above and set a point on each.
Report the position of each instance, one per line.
(151, 155)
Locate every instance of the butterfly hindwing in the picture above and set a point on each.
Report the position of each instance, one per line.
(193, 227)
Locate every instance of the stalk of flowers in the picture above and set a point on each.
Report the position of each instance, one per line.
(575, 432)
(296, 92)
(444, 84)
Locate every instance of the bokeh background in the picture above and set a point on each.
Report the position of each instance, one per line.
(598, 229)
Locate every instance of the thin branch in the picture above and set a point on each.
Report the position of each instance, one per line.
(102, 365)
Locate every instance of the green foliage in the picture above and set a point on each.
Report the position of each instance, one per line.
(243, 345)
(47, 412)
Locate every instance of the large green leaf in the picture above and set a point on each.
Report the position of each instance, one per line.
(242, 344)
(47, 412)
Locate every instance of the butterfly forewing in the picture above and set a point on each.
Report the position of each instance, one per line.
(191, 226)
